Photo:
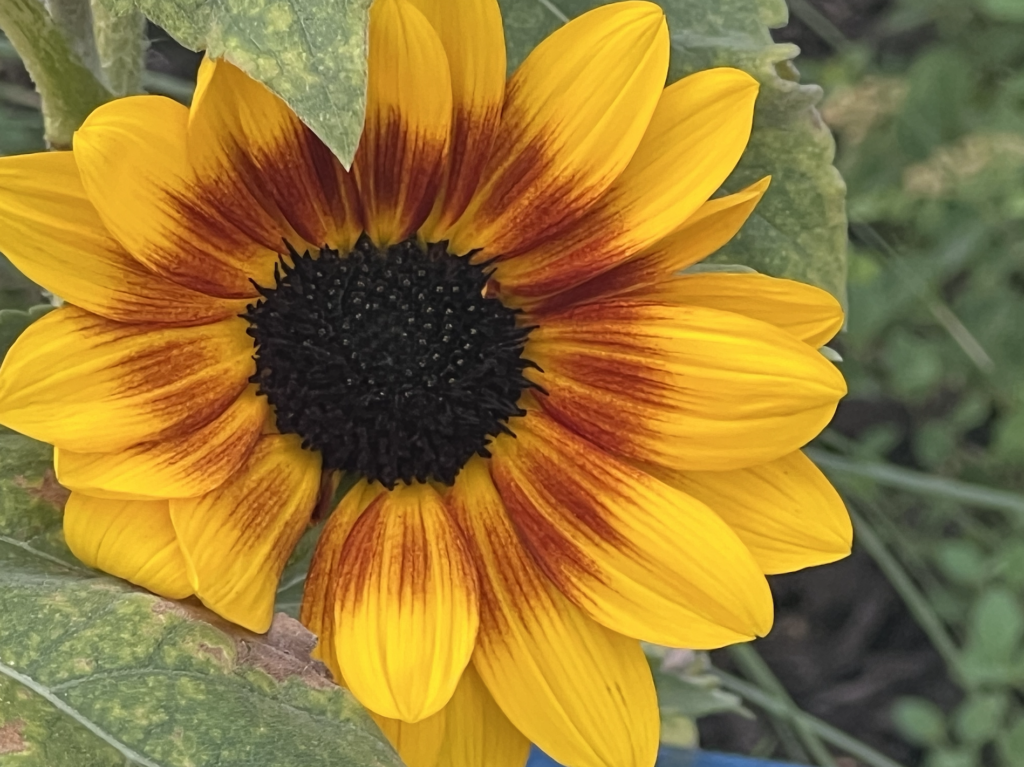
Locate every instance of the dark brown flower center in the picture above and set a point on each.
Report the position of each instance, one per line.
(391, 363)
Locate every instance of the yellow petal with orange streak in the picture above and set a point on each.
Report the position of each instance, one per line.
(176, 468)
(205, 232)
(581, 692)
(715, 223)
(474, 43)
(237, 539)
(407, 610)
(87, 384)
(635, 554)
(252, 142)
(400, 162)
(695, 138)
(575, 112)
(685, 387)
(54, 236)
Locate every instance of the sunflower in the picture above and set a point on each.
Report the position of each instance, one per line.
(563, 444)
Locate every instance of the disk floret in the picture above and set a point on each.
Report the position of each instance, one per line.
(392, 363)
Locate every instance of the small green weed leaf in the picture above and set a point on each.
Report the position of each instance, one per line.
(979, 718)
(952, 757)
(799, 228)
(311, 53)
(1010, 744)
(1003, 10)
(961, 560)
(1011, 563)
(687, 691)
(94, 672)
(920, 721)
(995, 627)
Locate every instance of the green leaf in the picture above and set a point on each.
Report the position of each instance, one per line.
(94, 672)
(995, 626)
(980, 718)
(311, 53)
(920, 721)
(686, 692)
(69, 90)
(799, 228)
(1003, 10)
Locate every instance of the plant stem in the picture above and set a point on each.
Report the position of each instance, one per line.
(753, 667)
(168, 85)
(826, 732)
(74, 19)
(820, 24)
(22, 97)
(68, 89)
(916, 602)
(924, 484)
(121, 44)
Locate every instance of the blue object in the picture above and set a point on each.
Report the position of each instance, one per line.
(677, 757)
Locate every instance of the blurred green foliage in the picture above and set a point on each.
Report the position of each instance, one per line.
(928, 109)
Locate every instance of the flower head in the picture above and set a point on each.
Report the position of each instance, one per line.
(564, 444)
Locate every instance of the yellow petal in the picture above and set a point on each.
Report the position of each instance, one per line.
(809, 313)
(478, 734)
(637, 555)
(582, 693)
(197, 232)
(471, 731)
(250, 140)
(176, 468)
(133, 540)
(692, 144)
(707, 230)
(237, 538)
(473, 40)
(320, 591)
(418, 743)
(785, 511)
(87, 384)
(53, 235)
(401, 157)
(406, 614)
(683, 386)
(574, 114)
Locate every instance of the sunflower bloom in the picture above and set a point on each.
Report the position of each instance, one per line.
(564, 444)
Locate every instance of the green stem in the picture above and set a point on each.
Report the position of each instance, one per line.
(823, 730)
(74, 19)
(68, 89)
(819, 24)
(121, 43)
(18, 96)
(969, 494)
(916, 602)
(753, 667)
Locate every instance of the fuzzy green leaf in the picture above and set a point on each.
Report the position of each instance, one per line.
(311, 53)
(799, 228)
(96, 673)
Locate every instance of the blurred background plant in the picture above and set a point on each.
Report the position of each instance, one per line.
(913, 645)
(912, 650)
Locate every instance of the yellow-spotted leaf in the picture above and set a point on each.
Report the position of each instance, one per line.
(99, 673)
(311, 54)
